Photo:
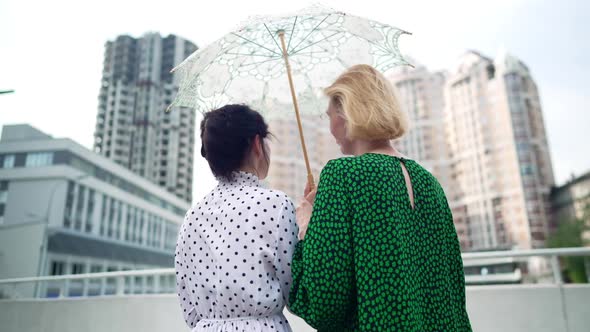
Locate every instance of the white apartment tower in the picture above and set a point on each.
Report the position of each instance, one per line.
(132, 126)
(501, 167)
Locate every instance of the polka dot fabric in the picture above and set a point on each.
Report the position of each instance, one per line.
(233, 258)
(372, 262)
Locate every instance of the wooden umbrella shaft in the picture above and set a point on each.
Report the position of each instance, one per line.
(296, 105)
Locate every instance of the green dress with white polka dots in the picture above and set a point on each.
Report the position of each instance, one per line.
(372, 262)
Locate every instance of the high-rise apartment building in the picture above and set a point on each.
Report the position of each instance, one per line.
(478, 128)
(500, 163)
(132, 127)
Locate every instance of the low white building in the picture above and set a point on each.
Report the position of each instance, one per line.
(67, 210)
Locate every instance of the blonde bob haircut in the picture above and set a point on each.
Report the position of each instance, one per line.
(369, 104)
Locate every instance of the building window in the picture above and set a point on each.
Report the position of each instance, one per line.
(111, 218)
(68, 158)
(119, 220)
(158, 242)
(527, 170)
(69, 205)
(3, 192)
(140, 230)
(95, 269)
(57, 268)
(79, 208)
(77, 268)
(103, 214)
(149, 229)
(89, 211)
(491, 71)
(8, 161)
(128, 222)
(39, 159)
(158, 232)
(171, 234)
(133, 231)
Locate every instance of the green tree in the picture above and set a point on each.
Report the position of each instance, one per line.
(570, 233)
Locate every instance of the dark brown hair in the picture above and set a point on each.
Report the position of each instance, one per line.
(227, 134)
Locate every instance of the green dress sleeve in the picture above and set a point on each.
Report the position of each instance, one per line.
(323, 291)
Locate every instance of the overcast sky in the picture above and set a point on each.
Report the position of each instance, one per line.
(51, 53)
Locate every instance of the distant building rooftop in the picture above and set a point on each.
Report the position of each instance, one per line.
(22, 132)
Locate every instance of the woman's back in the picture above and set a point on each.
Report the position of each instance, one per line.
(400, 265)
(407, 257)
(233, 258)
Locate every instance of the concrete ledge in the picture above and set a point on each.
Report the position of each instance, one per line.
(514, 308)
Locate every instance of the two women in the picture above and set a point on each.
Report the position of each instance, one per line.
(378, 249)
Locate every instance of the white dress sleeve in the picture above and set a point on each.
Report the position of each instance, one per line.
(182, 288)
(286, 241)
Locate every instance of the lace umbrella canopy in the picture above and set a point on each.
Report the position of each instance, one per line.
(278, 64)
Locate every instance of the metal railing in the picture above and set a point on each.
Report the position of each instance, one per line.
(117, 283)
(551, 254)
(162, 281)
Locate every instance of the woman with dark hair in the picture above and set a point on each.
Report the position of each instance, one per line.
(234, 248)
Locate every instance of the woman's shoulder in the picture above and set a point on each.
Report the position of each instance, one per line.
(344, 166)
(274, 200)
(338, 165)
(363, 160)
(275, 195)
(341, 161)
(263, 195)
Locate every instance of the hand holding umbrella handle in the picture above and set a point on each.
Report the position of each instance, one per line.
(310, 181)
(309, 192)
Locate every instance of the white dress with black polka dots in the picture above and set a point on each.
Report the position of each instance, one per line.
(233, 258)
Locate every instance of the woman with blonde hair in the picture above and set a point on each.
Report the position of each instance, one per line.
(378, 249)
